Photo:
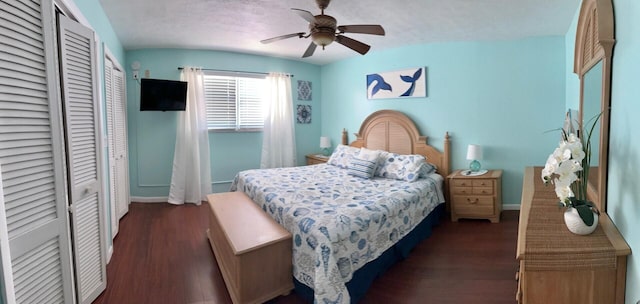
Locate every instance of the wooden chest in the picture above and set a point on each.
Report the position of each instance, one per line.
(253, 252)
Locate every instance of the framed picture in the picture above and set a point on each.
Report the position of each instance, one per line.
(303, 114)
(397, 84)
(304, 90)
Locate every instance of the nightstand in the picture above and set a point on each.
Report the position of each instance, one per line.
(314, 159)
(478, 197)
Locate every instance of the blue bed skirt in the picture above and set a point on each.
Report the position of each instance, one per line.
(364, 277)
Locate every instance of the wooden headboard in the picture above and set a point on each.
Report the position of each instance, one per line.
(393, 131)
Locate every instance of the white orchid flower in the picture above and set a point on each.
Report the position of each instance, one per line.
(563, 165)
(563, 192)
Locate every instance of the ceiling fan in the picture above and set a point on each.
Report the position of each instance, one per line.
(323, 30)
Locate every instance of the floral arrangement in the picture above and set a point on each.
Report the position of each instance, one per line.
(568, 169)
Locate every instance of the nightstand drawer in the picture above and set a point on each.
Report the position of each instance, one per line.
(314, 159)
(482, 183)
(462, 190)
(461, 183)
(483, 190)
(476, 205)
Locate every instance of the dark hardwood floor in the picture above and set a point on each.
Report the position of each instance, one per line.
(161, 255)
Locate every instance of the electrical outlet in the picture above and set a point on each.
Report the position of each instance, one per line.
(136, 75)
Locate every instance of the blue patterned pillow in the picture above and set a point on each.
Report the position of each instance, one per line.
(342, 156)
(426, 169)
(402, 167)
(364, 165)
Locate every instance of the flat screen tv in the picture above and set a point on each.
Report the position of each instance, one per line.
(162, 95)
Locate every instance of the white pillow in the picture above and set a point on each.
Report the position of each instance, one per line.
(364, 165)
(402, 167)
(342, 156)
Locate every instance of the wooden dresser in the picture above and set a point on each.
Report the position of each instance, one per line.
(557, 266)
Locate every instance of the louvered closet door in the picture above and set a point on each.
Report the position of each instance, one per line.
(81, 122)
(121, 151)
(109, 93)
(32, 158)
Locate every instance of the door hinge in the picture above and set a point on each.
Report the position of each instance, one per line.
(71, 209)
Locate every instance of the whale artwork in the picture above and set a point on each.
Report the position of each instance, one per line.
(397, 84)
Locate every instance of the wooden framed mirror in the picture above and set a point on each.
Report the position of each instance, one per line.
(592, 64)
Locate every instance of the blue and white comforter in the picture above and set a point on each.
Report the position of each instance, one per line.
(339, 222)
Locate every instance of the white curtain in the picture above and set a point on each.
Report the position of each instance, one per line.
(278, 142)
(191, 178)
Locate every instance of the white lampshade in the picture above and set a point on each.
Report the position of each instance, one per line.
(474, 152)
(325, 142)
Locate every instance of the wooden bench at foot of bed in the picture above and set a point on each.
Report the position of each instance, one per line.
(253, 252)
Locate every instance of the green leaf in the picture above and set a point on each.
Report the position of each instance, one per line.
(585, 214)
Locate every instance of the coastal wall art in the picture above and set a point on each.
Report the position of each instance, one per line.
(397, 84)
(303, 114)
(304, 90)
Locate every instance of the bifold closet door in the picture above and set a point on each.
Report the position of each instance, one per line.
(36, 268)
(108, 88)
(117, 141)
(82, 129)
(121, 150)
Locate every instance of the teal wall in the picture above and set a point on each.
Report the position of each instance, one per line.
(623, 199)
(152, 134)
(94, 13)
(503, 95)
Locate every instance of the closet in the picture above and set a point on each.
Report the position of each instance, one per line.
(51, 180)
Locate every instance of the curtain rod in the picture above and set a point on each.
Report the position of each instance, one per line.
(232, 71)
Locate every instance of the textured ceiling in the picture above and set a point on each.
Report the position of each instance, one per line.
(239, 25)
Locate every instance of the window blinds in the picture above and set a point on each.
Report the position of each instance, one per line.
(234, 103)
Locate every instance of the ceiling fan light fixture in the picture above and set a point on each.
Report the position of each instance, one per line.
(322, 38)
(324, 30)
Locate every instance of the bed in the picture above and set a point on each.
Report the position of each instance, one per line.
(348, 230)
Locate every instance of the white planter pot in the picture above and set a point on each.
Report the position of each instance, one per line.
(576, 225)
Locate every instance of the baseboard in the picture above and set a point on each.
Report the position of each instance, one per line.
(511, 207)
(145, 199)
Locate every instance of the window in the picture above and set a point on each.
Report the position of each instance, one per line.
(234, 101)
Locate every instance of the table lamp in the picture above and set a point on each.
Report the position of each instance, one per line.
(474, 153)
(325, 144)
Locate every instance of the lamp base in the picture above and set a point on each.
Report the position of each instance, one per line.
(326, 152)
(474, 166)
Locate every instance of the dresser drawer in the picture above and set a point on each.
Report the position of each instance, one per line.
(482, 183)
(314, 161)
(461, 183)
(462, 190)
(483, 190)
(476, 205)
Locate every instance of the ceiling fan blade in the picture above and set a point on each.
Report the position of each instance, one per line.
(353, 44)
(282, 37)
(306, 15)
(371, 29)
(310, 50)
